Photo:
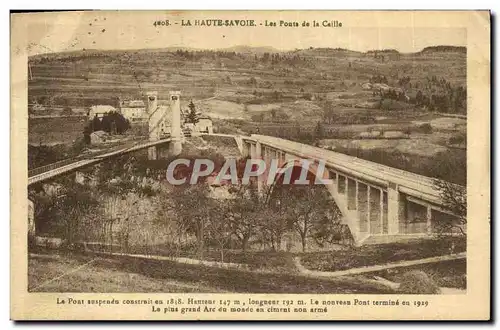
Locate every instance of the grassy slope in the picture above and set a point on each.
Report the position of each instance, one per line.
(380, 254)
(137, 275)
(449, 274)
(97, 277)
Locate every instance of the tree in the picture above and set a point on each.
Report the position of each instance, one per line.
(105, 123)
(218, 226)
(244, 213)
(67, 111)
(120, 123)
(96, 124)
(319, 131)
(454, 198)
(65, 213)
(306, 209)
(259, 117)
(111, 122)
(273, 114)
(87, 130)
(277, 215)
(194, 208)
(329, 114)
(193, 115)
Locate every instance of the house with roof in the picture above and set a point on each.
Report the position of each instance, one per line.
(134, 110)
(100, 110)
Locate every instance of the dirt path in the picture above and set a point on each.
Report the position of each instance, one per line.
(376, 268)
(229, 265)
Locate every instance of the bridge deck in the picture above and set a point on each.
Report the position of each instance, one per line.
(409, 183)
(55, 169)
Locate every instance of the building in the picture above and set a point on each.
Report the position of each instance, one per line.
(37, 107)
(100, 110)
(134, 110)
(204, 125)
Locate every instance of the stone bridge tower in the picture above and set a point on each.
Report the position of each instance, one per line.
(176, 132)
(164, 122)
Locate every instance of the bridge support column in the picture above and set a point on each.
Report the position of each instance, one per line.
(258, 155)
(356, 197)
(244, 148)
(152, 109)
(393, 209)
(152, 153)
(31, 220)
(381, 211)
(429, 220)
(368, 208)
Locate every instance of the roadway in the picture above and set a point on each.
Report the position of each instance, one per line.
(412, 184)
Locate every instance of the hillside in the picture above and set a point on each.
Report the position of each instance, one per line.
(457, 49)
(238, 79)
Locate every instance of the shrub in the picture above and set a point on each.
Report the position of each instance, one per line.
(425, 128)
(417, 282)
(460, 138)
(392, 105)
(457, 281)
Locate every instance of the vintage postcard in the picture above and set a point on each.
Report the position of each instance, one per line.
(250, 165)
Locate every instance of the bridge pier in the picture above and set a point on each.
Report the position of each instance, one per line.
(393, 209)
(31, 220)
(258, 155)
(429, 220)
(368, 209)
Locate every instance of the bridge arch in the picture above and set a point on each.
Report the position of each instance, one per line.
(297, 167)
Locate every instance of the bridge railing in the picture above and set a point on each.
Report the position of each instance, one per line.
(50, 167)
(84, 160)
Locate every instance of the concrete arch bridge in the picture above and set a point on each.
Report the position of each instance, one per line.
(378, 203)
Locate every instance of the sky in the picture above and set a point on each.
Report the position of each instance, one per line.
(361, 31)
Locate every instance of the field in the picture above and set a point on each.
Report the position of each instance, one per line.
(55, 130)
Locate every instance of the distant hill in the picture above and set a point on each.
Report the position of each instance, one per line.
(383, 51)
(442, 48)
(243, 49)
(327, 52)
